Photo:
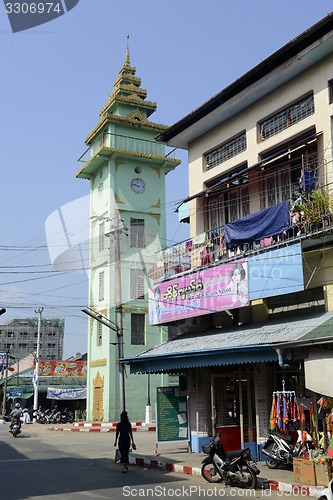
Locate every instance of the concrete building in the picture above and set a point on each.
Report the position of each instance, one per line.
(251, 292)
(126, 169)
(19, 337)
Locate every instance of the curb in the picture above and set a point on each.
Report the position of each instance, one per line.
(171, 467)
(103, 427)
(295, 489)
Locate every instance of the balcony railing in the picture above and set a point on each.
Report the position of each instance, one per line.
(130, 144)
(209, 249)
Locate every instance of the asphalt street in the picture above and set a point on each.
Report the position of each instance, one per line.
(45, 464)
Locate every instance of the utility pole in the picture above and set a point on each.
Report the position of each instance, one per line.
(116, 231)
(4, 401)
(36, 371)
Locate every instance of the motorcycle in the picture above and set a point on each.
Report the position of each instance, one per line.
(51, 415)
(279, 450)
(40, 416)
(229, 467)
(67, 416)
(15, 427)
(327, 493)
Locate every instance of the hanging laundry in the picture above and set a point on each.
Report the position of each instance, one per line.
(309, 180)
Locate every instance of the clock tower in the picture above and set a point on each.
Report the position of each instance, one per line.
(126, 168)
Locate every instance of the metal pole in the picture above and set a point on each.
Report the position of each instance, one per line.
(119, 312)
(5, 387)
(35, 408)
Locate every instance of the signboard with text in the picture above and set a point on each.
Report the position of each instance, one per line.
(61, 368)
(215, 289)
(171, 415)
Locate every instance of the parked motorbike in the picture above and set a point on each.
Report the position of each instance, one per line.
(327, 493)
(40, 416)
(279, 450)
(15, 427)
(67, 416)
(235, 467)
(54, 416)
(50, 415)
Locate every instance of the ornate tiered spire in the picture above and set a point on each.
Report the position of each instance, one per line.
(127, 102)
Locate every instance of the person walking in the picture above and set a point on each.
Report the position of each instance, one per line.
(124, 437)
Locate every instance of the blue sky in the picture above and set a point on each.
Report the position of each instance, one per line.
(55, 79)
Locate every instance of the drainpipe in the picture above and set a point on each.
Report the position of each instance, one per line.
(280, 352)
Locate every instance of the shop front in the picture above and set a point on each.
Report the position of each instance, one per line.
(231, 375)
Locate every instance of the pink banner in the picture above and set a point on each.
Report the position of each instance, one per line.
(216, 289)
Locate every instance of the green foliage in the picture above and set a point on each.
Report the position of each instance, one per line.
(314, 208)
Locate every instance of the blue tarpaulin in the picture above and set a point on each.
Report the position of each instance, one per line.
(254, 227)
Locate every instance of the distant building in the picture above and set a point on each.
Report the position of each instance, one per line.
(19, 337)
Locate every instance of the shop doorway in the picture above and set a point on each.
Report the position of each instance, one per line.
(233, 408)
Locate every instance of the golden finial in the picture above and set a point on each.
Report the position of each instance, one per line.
(127, 52)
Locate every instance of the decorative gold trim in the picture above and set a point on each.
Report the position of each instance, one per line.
(131, 309)
(117, 164)
(98, 396)
(118, 200)
(157, 217)
(157, 204)
(98, 362)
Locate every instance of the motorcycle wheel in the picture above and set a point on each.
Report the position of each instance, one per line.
(209, 472)
(271, 464)
(248, 478)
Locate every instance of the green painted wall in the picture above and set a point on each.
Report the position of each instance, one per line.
(128, 151)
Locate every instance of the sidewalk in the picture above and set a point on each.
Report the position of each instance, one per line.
(174, 456)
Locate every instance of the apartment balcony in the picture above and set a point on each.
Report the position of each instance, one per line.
(312, 228)
(108, 144)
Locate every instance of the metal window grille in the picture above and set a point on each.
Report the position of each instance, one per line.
(137, 284)
(99, 333)
(138, 329)
(245, 201)
(101, 286)
(330, 91)
(101, 236)
(225, 151)
(137, 235)
(286, 118)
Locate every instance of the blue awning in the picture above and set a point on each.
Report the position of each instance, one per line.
(160, 364)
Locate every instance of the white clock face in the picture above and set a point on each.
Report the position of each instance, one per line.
(138, 186)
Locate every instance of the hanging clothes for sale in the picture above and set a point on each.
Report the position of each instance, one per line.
(284, 411)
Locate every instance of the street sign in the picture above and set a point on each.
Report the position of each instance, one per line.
(15, 394)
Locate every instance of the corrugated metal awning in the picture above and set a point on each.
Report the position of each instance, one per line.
(254, 343)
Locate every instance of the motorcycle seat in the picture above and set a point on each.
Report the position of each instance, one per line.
(234, 454)
(282, 436)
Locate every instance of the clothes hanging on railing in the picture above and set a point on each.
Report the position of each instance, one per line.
(284, 410)
(308, 180)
